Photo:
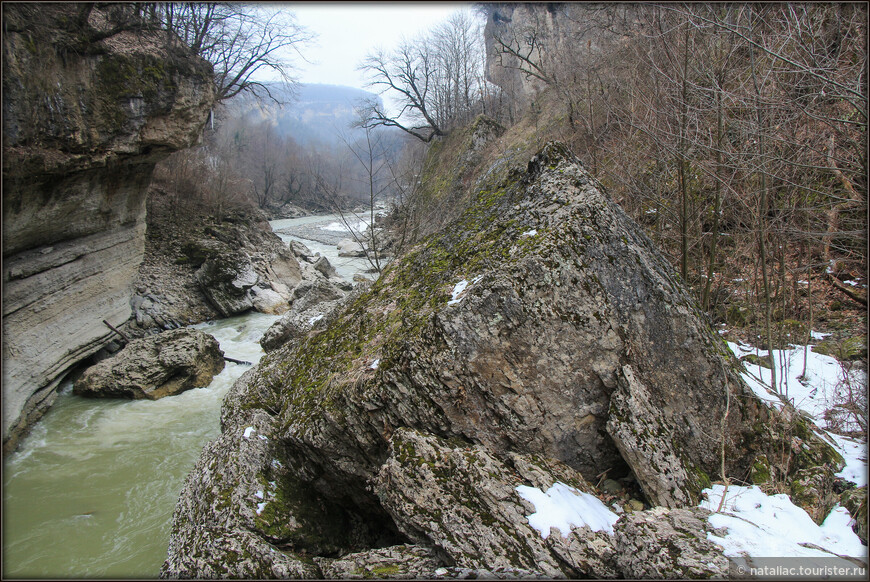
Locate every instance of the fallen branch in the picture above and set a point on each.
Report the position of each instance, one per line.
(235, 361)
(851, 294)
(120, 333)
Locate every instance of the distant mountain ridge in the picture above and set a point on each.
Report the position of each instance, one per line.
(311, 113)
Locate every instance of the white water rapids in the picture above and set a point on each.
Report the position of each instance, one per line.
(91, 491)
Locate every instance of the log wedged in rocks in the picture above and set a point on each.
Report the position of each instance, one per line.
(527, 328)
(155, 366)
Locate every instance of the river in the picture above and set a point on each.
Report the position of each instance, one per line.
(91, 491)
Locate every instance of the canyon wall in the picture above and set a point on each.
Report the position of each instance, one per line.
(92, 101)
(530, 46)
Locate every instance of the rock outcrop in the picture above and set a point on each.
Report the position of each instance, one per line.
(89, 106)
(348, 247)
(668, 544)
(201, 265)
(540, 38)
(539, 339)
(155, 366)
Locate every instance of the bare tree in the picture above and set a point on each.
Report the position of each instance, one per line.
(239, 40)
(435, 79)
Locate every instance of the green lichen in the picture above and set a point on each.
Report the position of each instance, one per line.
(386, 571)
(122, 78)
(760, 473)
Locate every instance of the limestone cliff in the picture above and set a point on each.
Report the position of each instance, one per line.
(91, 103)
(528, 45)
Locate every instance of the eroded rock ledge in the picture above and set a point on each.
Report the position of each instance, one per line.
(538, 339)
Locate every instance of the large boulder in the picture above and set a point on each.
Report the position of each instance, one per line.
(268, 300)
(855, 501)
(348, 247)
(200, 266)
(462, 501)
(155, 366)
(541, 324)
(295, 324)
(226, 279)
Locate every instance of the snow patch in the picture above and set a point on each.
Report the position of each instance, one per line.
(248, 432)
(375, 364)
(760, 525)
(818, 335)
(563, 507)
(315, 319)
(261, 507)
(532, 232)
(360, 226)
(855, 455)
(459, 289)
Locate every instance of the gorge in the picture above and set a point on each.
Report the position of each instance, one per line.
(527, 349)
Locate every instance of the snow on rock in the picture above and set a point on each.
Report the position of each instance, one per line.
(532, 232)
(375, 364)
(248, 432)
(814, 393)
(761, 525)
(459, 289)
(855, 455)
(564, 507)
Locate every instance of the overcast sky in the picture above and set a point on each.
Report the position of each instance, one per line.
(347, 31)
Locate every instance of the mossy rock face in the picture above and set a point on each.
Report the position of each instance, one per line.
(662, 544)
(755, 360)
(855, 501)
(812, 490)
(243, 513)
(76, 167)
(460, 499)
(761, 472)
(848, 349)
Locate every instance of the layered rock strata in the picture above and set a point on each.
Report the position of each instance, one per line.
(89, 106)
(539, 339)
